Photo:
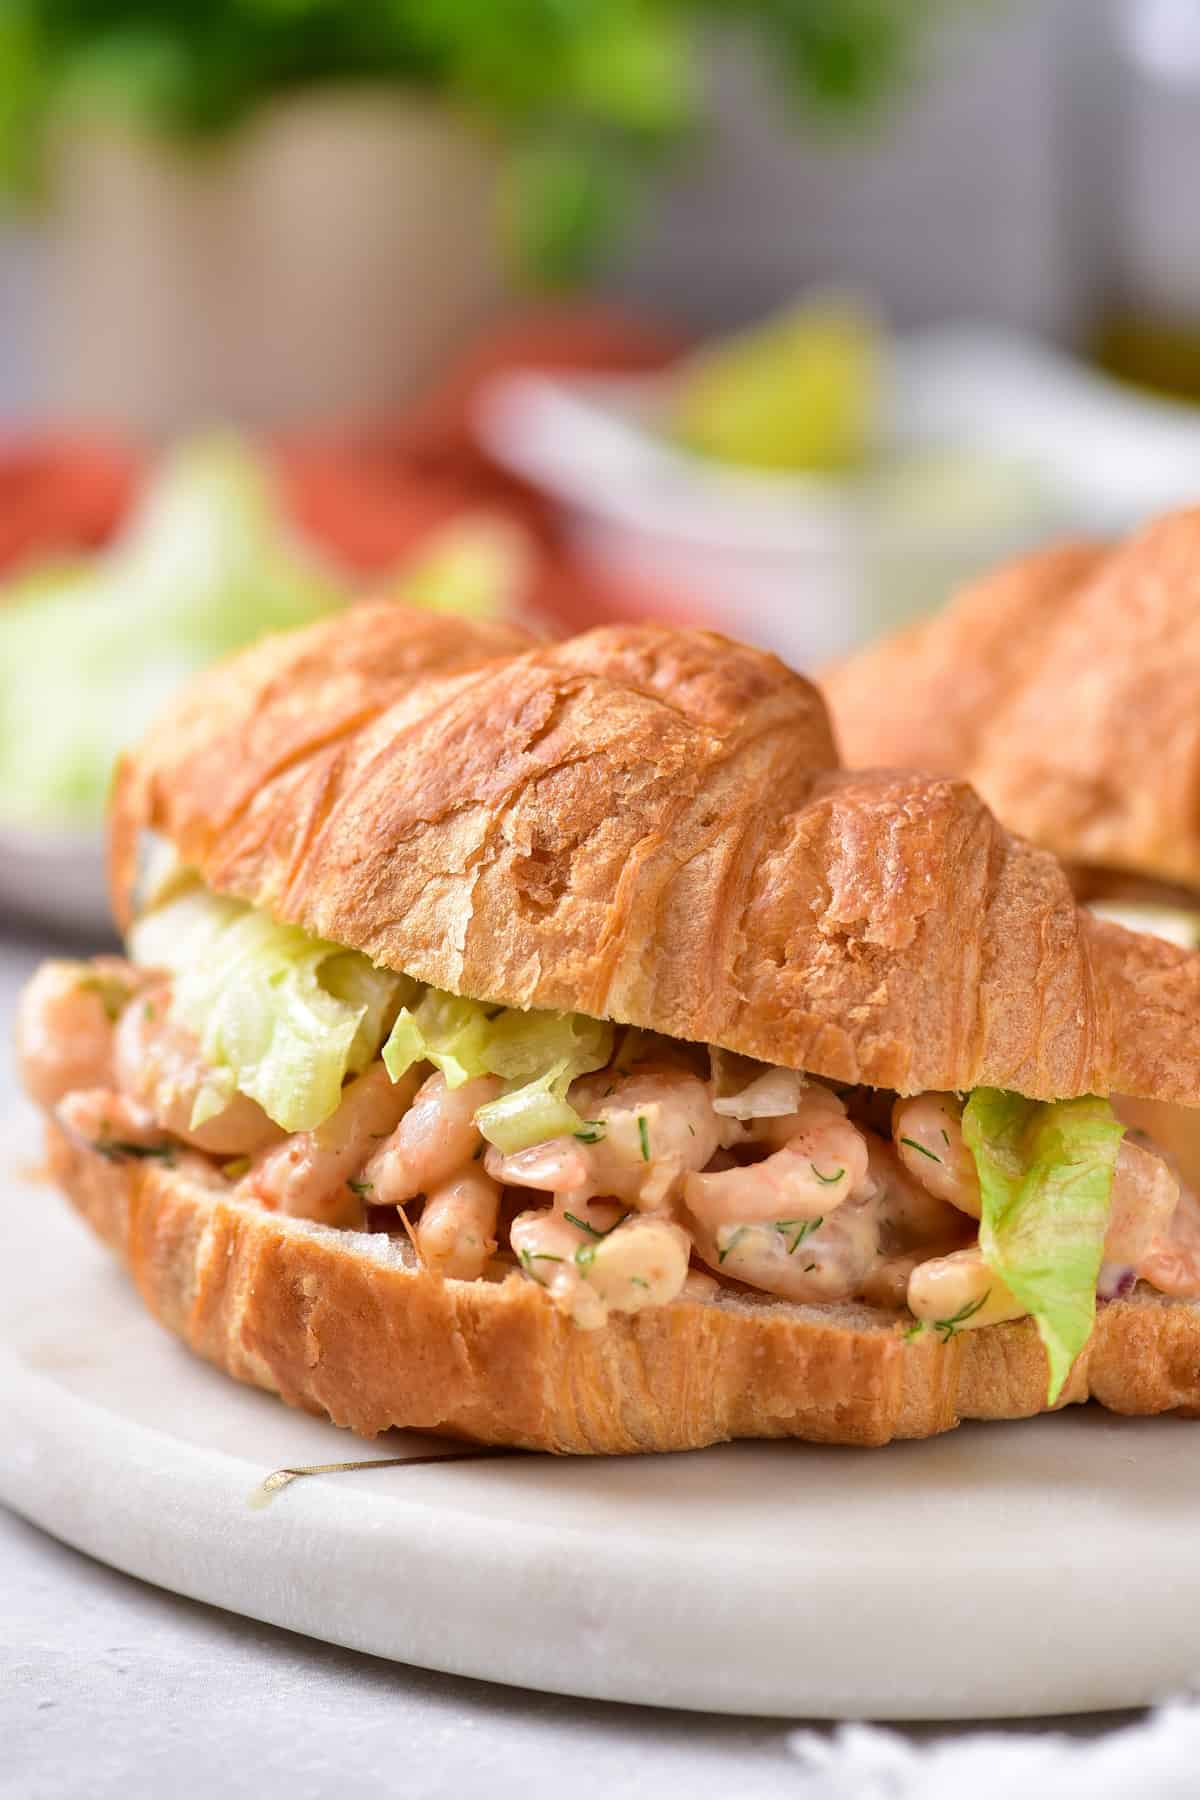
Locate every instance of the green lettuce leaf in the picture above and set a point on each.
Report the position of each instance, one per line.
(284, 1018)
(532, 1113)
(444, 1030)
(538, 1055)
(281, 1016)
(1045, 1177)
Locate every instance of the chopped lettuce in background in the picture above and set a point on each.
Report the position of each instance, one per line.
(90, 652)
(1045, 1176)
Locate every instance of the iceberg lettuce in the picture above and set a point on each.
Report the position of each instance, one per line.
(284, 1017)
(281, 1016)
(537, 1054)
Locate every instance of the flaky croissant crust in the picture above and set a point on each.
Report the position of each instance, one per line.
(1065, 688)
(344, 1324)
(650, 825)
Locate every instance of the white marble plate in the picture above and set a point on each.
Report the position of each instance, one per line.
(1003, 1570)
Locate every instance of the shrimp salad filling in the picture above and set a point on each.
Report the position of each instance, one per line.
(616, 1169)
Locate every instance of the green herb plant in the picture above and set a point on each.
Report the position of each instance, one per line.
(589, 94)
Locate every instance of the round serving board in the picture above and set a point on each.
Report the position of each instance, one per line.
(1001, 1570)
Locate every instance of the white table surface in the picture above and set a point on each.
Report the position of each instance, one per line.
(109, 1687)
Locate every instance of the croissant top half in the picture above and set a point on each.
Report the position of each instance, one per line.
(649, 825)
(1066, 688)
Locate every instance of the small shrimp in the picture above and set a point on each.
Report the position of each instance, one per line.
(112, 1124)
(822, 1164)
(456, 1233)
(886, 1282)
(1172, 1262)
(960, 1293)
(125, 1134)
(597, 1263)
(806, 1260)
(644, 1131)
(433, 1141)
(699, 1286)
(309, 1175)
(641, 1134)
(65, 1020)
(1145, 1193)
(927, 1131)
(159, 1064)
(558, 1166)
(910, 1216)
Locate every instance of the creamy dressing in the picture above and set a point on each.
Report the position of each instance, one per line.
(769, 1178)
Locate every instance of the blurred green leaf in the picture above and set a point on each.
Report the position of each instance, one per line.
(561, 207)
(24, 92)
(591, 89)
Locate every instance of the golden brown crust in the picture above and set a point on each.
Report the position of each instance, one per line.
(647, 824)
(1064, 688)
(341, 1324)
(922, 698)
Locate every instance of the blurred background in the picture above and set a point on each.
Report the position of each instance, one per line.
(782, 316)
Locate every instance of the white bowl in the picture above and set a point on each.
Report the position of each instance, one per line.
(812, 566)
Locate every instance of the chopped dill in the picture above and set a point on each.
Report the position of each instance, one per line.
(113, 1149)
(948, 1327)
(734, 1241)
(800, 1228)
(529, 1257)
(582, 1225)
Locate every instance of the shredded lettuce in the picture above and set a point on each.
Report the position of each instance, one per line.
(531, 1114)
(1045, 1176)
(537, 1054)
(523, 1046)
(284, 1018)
(540, 1055)
(444, 1030)
(281, 1016)
(377, 993)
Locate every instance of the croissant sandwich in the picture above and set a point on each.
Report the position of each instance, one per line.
(1064, 687)
(553, 1046)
